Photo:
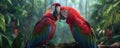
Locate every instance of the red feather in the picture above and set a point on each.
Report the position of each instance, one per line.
(46, 19)
(74, 18)
(56, 4)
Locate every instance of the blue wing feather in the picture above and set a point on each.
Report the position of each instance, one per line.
(85, 41)
(36, 40)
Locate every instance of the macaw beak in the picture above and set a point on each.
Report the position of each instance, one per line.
(56, 11)
(62, 17)
(63, 14)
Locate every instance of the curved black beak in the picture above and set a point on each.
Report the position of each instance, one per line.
(62, 17)
(55, 13)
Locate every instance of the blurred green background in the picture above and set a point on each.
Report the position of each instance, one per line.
(18, 17)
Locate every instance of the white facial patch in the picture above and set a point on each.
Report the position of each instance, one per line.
(64, 13)
(58, 9)
(52, 9)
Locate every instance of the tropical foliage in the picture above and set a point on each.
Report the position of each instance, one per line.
(107, 16)
(18, 17)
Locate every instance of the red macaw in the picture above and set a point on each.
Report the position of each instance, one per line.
(44, 28)
(80, 28)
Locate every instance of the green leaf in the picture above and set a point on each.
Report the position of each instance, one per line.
(110, 8)
(2, 23)
(116, 37)
(17, 43)
(5, 42)
(8, 19)
(9, 1)
(116, 4)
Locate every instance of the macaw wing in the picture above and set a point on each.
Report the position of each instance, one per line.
(93, 33)
(86, 41)
(43, 31)
(83, 34)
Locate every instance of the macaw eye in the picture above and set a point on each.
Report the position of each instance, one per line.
(65, 11)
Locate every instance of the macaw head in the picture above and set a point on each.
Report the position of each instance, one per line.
(55, 10)
(63, 13)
